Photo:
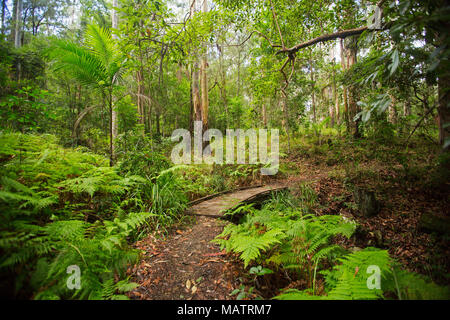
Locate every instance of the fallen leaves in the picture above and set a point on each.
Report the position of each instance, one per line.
(221, 253)
(169, 266)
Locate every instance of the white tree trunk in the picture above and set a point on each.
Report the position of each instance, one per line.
(204, 79)
(18, 24)
(114, 122)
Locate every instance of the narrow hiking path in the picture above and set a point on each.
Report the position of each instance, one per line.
(186, 265)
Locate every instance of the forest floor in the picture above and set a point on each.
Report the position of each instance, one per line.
(186, 265)
(396, 227)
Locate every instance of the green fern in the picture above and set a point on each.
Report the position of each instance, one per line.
(248, 243)
(352, 277)
(295, 240)
(348, 281)
(64, 207)
(294, 294)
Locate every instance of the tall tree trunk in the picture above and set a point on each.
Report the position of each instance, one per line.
(223, 87)
(191, 109)
(238, 91)
(335, 98)
(392, 110)
(330, 100)
(196, 93)
(140, 93)
(204, 79)
(444, 89)
(17, 34)
(351, 50)
(150, 109)
(114, 119)
(444, 111)
(344, 87)
(3, 17)
(158, 122)
(285, 119)
(111, 131)
(196, 101)
(313, 102)
(140, 90)
(264, 114)
(18, 24)
(407, 108)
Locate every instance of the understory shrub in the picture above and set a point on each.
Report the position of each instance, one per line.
(67, 207)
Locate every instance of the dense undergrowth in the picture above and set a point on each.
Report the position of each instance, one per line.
(63, 207)
(283, 240)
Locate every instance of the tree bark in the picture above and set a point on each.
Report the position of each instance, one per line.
(407, 108)
(77, 122)
(392, 110)
(444, 111)
(114, 119)
(285, 119)
(444, 90)
(18, 24)
(204, 79)
(350, 50)
(111, 131)
(264, 115)
(223, 87)
(196, 100)
(336, 100)
(326, 37)
(196, 93)
(3, 17)
(344, 87)
(332, 107)
(313, 102)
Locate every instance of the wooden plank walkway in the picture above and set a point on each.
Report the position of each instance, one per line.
(215, 207)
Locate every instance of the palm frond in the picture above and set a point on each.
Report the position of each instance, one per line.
(81, 63)
(101, 43)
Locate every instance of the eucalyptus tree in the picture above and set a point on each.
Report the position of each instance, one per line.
(97, 64)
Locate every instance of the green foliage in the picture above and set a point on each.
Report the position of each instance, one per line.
(349, 281)
(97, 64)
(64, 207)
(350, 277)
(138, 156)
(287, 237)
(68, 204)
(25, 110)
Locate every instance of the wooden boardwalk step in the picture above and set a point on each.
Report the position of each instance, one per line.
(215, 207)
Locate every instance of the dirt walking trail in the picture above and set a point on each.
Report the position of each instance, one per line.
(186, 265)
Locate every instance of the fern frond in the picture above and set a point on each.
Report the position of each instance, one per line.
(294, 294)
